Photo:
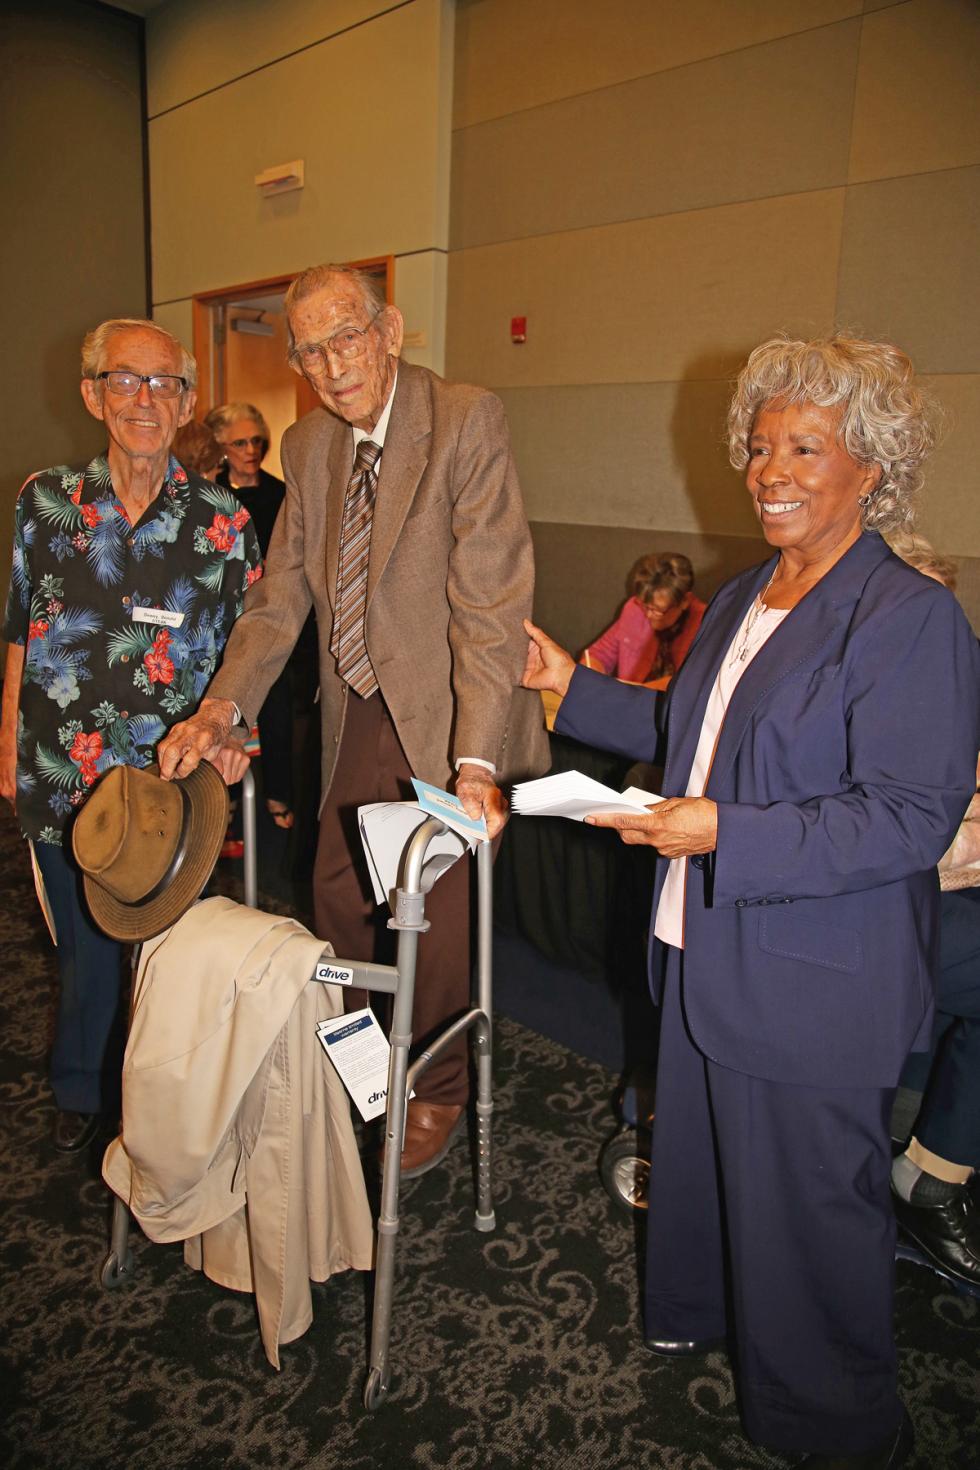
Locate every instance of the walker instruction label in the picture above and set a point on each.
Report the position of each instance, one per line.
(359, 1050)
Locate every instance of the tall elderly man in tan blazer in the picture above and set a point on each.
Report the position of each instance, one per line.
(415, 553)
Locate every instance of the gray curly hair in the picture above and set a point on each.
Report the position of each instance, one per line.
(96, 342)
(885, 417)
(219, 420)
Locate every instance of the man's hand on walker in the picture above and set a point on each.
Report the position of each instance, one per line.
(482, 797)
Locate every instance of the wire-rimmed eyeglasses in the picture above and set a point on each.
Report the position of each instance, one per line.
(311, 357)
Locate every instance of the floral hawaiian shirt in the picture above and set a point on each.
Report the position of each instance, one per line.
(124, 625)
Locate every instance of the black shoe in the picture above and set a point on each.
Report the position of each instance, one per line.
(74, 1131)
(945, 1237)
(668, 1348)
(888, 1456)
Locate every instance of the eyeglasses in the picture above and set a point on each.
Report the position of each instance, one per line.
(311, 357)
(161, 385)
(254, 441)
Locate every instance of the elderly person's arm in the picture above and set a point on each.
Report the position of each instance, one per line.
(625, 719)
(489, 586)
(276, 607)
(13, 673)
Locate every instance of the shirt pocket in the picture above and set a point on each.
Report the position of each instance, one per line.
(811, 942)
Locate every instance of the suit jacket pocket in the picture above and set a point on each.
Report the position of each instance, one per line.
(792, 938)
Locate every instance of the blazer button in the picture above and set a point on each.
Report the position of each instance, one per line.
(763, 900)
(698, 861)
(740, 903)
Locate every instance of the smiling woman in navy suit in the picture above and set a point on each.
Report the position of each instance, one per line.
(819, 746)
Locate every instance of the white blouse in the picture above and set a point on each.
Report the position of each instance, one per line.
(759, 623)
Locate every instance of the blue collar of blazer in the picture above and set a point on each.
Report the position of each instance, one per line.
(797, 640)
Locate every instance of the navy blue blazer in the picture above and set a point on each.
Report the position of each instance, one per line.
(845, 762)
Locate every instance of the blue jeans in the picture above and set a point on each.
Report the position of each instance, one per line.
(86, 1059)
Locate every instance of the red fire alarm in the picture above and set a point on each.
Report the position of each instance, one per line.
(518, 329)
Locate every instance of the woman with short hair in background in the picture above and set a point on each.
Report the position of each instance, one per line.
(243, 434)
(660, 618)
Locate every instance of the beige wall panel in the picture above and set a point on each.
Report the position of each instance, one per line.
(420, 295)
(194, 46)
(950, 507)
(211, 229)
(629, 454)
(177, 317)
(512, 54)
(909, 266)
(734, 128)
(684, 296)
(580, 579)
(917, 104)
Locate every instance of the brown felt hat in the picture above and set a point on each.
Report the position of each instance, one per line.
(147, 846)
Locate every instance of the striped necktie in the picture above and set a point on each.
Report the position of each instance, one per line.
(347, 641)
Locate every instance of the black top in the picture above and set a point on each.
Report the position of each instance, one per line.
(262, 501)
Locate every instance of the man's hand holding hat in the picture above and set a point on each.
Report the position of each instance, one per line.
(205, 736)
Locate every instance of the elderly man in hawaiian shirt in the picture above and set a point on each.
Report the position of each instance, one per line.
(127, 577)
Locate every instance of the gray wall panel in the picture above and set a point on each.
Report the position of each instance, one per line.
(734, 128)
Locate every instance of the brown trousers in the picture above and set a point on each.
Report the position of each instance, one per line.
(371, 766)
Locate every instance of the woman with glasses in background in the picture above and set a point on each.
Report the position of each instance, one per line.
(243, 434)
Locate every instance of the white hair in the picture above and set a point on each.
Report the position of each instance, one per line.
(885, 418)
(96, 344)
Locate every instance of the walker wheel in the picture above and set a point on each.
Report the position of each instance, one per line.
(113, 1272)
(624, 1167)
(375, 1390)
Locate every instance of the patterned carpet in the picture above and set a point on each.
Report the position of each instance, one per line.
(518, 1350)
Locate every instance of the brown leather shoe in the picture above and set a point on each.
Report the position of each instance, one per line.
(429, 1131)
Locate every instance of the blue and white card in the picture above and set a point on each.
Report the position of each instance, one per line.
(449, 809)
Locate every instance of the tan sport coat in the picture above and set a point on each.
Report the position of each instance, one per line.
(237, 1135)
(450, 577)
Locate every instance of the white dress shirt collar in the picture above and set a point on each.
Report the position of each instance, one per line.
(377, 434)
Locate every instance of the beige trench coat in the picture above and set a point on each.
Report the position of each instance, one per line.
(237, 1136)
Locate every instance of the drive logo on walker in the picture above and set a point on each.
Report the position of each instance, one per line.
(334, 974)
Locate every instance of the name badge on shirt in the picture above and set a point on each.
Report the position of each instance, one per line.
(158, 615)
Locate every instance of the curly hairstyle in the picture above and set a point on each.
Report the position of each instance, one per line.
(885, 417)
(669, 571)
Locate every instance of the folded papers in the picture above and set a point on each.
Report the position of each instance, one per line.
(387, 826)
(571, 794)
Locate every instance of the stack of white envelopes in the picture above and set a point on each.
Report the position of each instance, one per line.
(570, 794)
